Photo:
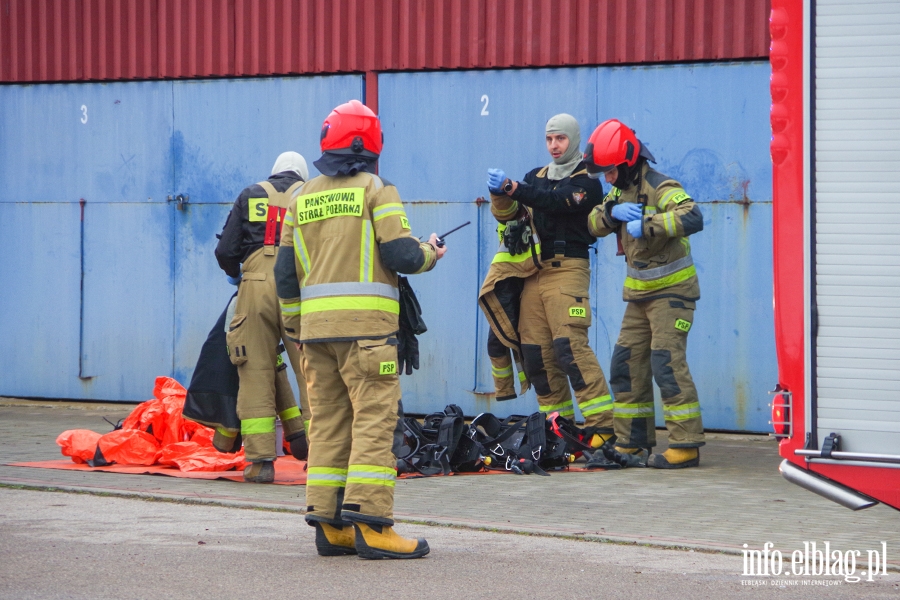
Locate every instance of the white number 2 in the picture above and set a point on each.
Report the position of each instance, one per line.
(84, 113)
(484, 110)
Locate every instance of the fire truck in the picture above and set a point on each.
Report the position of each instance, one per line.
(835, 118)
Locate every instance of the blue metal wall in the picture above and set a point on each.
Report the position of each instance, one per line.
(708, 126)
(152, 288)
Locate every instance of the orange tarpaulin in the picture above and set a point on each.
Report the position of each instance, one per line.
(154, 433)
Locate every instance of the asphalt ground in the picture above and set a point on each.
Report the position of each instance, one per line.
(631, 533)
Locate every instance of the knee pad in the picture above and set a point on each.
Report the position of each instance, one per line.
(562, 348)
(534, 368)
(619, 372)
(660, 362)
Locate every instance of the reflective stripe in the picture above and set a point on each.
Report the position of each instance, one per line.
(326, 476)
(656, 284)
(683, 412)
(565, 409)
(366, 264)
(669, 222)
(596, 405)
(349, 288)
(372, 475)
(503, 255)
(257, 426)
(290, 309)
(677, 195)
(290, 413)
(513, 209)
(657, 272)
(301, 251)
(522, 376)
(226, 433)
(501, 373)
(386, 210)
(624, 410)
(289, 219)
(350, 303)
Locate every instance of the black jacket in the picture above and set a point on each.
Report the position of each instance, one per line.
(561, 210)
(240, 237)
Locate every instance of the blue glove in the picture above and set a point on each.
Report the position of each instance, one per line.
(233, 280)
(496, 177)
(626, 212)
(636, 228)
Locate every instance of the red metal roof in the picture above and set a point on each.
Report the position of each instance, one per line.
(91, 40)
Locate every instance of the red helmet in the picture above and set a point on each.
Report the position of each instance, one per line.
(352, 128)
(612, 144)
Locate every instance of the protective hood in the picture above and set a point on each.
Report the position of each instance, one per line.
(291, 161)
(565, 165)
(334, 164)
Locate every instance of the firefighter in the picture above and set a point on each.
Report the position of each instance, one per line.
(653, 216)
(546, 217)
(246, 252)
(349, 237)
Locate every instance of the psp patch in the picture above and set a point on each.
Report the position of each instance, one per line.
(682, 325)
(388, 368)
(578, 311)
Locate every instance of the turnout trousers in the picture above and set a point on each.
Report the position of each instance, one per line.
(354, 395)
(253, 337)
(653, 342)
(555, 314)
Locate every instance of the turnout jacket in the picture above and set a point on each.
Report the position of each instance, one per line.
(559, 209)
(245, 229)
(659, 263)
(344, 240)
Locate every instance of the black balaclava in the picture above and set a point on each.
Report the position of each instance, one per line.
(629, 176)
(333, 164)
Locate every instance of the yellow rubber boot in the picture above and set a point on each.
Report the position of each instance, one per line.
(260, 472)
(334, 541)
(675, 458)
(381, 541)
(598, 439)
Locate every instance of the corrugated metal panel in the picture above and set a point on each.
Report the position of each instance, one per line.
(81, 40)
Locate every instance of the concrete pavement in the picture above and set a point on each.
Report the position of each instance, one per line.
(736, 497)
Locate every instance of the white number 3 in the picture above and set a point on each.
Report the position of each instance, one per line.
(484, 110)
(84, 113)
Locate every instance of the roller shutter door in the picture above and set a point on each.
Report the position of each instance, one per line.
(857, 223)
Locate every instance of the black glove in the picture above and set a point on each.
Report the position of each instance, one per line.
(298, 445)
(517, 237)
(407, 350)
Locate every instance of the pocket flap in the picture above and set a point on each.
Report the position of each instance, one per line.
(252, 276)
(236, 321)
(377, 342)
(579, 295)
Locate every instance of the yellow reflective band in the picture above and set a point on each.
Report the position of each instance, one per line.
(682, 325)
(650, 210)
(326, 477)
(258, 426)
(682, 412)
(371, 475)
(624, 410)
(656, 284)
(289, 219)
(522, 376)
(506, 257)
(500, 229)
(502, 214)
(366, 264)
(350, 303)
(566, 409)
(226, 433)
(577, 311)
(387, 368)
(290, 413)
(344, 202)
(687, 245)
(306, 426)
(678, 195)
(501, 373)
(301, 251)
(386, 210)
(258, 209)
(593, 219)
(596, 405)
(669, 221)
(290, 309)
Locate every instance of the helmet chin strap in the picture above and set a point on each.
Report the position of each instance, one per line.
(629, 176)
